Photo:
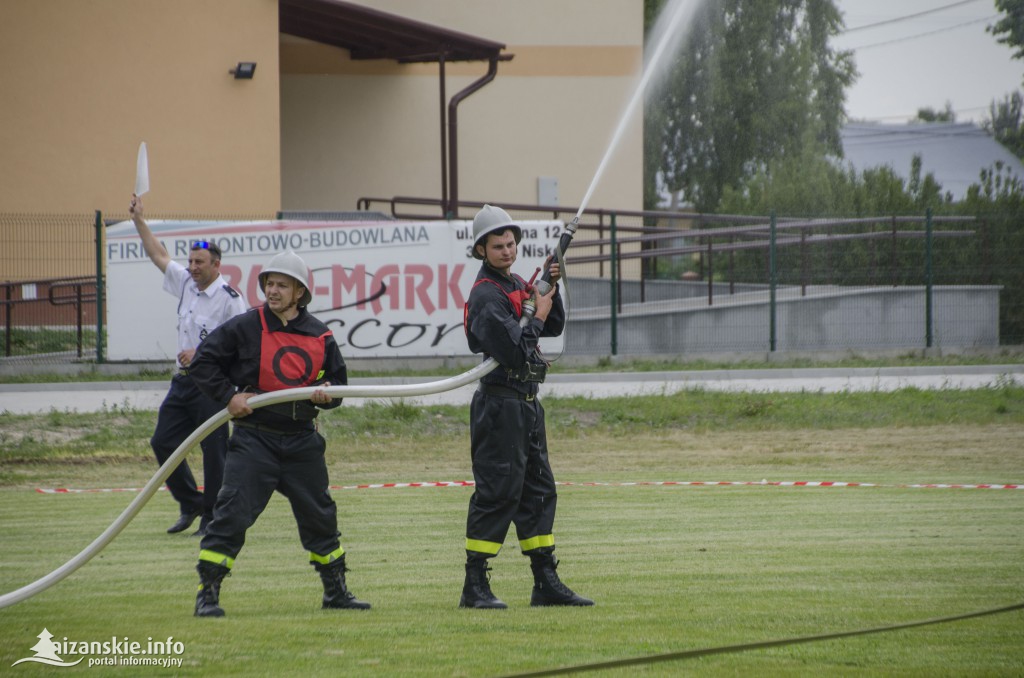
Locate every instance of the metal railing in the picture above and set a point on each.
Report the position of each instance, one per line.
(37, 317)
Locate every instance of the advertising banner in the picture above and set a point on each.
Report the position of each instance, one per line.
(385, 288)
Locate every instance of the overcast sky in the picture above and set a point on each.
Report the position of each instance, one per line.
(902, 70)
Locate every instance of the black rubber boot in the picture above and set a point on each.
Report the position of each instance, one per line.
(476, 592)
(548, 589)
(208, 596)
(336, 594)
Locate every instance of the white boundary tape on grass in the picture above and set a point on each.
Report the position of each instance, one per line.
(210, 425)
(812, 483)
(641, 483)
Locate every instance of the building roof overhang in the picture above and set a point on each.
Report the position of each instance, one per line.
(372, 34)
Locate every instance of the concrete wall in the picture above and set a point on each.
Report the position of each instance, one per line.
(827, 319)
(596, 292)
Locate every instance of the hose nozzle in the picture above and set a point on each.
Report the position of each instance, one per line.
(543, 284)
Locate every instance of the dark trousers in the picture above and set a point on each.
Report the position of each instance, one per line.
(183, 410)
(260, 462)
(514, 482)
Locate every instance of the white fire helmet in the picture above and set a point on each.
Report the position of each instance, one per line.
(289, 264)
(491, 219)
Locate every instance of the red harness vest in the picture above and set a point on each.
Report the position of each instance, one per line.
(516, 298)
(289, 360)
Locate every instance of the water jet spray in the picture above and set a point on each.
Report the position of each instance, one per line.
(666, 35)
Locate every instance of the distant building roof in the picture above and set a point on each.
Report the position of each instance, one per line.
(954, 153)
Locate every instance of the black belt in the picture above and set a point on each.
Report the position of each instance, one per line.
(263, 428)
(296, 410)
(506, 392)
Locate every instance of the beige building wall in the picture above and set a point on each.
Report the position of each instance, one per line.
(372, 128)
(84, 82)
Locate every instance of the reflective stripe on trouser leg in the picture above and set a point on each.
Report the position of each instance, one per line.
(216, 558)
(538, 542)
(479, 546)
(328, 559)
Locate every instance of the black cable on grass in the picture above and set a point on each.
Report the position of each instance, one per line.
(728, 649)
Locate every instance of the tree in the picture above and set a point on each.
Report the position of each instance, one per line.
(813, 185)
(1006, 123)
(931, 115)
(1010, 27)
(755, 83)
(998, 204)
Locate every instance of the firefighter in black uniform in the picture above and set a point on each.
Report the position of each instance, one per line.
(276, 346)
(514, 482)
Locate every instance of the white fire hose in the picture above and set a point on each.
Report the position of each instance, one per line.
(208, 427)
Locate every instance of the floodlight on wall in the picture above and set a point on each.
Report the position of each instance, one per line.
(244, 70)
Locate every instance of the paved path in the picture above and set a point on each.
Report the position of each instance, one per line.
(147, 395)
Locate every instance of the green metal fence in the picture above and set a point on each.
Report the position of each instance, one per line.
(694, 285)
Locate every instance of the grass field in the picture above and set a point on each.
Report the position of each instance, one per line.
(672, 567)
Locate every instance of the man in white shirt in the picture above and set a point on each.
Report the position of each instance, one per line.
(205, 300)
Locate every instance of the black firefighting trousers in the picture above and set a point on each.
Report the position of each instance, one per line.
(514, 482)
(259, 462)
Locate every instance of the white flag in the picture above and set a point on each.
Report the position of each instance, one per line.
(142, 171)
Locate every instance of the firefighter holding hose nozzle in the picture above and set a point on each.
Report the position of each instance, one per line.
(513, 478)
